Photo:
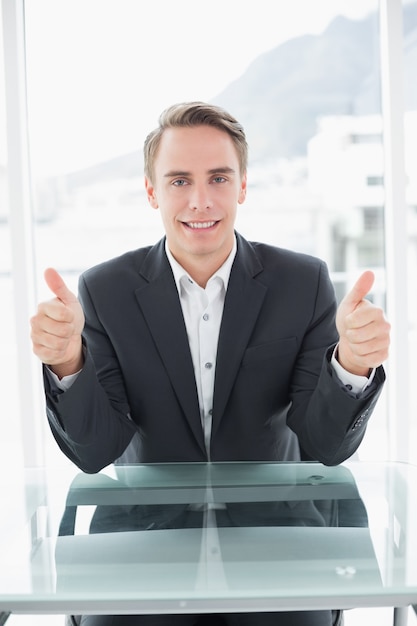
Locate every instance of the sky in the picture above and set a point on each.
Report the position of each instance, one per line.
(101, 71)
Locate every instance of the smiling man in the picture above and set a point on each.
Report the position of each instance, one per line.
(204, 346)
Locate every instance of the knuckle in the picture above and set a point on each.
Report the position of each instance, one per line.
(62, 315)
(60, 344)
(63, 330)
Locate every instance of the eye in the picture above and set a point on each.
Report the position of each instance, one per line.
(180, 182)
(219, 179)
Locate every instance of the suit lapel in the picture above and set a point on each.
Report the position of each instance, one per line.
(243, 302)
(159, 302)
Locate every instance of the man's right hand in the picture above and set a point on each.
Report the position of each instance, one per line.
(57, 327)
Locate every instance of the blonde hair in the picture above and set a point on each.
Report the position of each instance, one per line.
(188, 114)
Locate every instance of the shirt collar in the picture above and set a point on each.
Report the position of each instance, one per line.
(223, 272)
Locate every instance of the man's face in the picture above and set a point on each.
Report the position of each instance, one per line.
(197, 185)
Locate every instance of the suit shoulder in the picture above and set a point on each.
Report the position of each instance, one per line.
(300, 278)
(272, 256)
(114, 269)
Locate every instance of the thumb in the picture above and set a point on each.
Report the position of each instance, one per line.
(359, 290)
(57, 285)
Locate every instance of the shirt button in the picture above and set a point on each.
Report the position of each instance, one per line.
(206, 316)
(208, 366)
(211, 412)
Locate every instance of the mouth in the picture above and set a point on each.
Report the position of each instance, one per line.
(200, 225)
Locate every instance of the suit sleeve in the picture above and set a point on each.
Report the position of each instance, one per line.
(91, 425)
(328, 419)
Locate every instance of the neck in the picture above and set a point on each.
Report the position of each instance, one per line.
(202, 269)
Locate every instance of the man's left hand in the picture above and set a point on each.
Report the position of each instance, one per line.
(363, 330)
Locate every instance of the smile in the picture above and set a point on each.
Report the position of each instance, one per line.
(200, 225)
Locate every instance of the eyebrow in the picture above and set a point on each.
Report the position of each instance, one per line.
(215, 170)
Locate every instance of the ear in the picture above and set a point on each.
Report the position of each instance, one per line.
(243, 187)
(150, 192)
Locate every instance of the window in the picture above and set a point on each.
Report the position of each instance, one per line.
(367, 138)
(373, 181)
(307, 91)
(373, 219)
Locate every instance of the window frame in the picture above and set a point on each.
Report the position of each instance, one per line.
(21, 232)
(396, 238)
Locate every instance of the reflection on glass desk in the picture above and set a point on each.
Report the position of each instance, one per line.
(219, 537)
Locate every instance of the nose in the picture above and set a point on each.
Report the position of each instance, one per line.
(200, 198)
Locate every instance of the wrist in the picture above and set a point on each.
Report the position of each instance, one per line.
(68, 368)
(350, 364)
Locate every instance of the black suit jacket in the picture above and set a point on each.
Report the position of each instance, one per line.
(276, 396)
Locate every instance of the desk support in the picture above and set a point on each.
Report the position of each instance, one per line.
(400, 616)
(3, 618)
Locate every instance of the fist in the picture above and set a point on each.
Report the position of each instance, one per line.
(57, 327)
(363, 330)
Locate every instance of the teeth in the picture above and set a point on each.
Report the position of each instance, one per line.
(200, 224)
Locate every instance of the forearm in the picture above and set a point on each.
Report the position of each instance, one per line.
(329, 420)
(91, 429)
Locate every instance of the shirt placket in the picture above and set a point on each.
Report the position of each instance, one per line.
(208, 336)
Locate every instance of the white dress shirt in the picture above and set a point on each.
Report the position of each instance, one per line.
(203, 310)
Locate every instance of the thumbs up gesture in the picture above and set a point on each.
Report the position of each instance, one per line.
(57, 327)
(363, 330)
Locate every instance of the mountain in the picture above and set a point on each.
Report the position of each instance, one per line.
(124, 166)
(367, 101)
(283, 92)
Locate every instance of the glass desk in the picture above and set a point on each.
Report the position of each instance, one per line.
(201, 538)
